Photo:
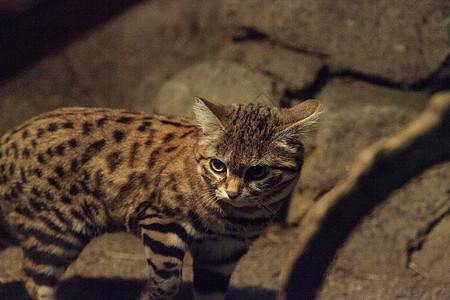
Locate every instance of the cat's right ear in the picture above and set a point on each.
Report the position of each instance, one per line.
(208, 115)
(300, 118)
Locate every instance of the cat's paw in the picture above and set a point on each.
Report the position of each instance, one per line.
(46, 293)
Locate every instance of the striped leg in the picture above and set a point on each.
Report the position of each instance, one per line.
(165, 243)
(46, 258)
(214, 262)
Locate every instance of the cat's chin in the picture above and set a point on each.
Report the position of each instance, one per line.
(238, 203)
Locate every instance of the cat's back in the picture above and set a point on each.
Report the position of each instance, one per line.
(48, 151)
(86, 123)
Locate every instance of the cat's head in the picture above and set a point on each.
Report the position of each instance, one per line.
(251, 155)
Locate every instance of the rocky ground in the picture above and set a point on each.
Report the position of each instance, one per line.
(373, 65)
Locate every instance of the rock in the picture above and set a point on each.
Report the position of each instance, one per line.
(290, 69)
(218, 81)
(403, 42)
(356, 114)
(17, 6)
(374, 262)
(432, 260)
(111, 255)
(121, 64)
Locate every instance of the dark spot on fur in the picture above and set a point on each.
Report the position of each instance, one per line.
(48, 196)
(168, 137)
(40, 132)
(52, 127)
(60, 171)
(101, 122)
(41, 159)
(54, 183)
(36, 205)
(36, 192)
(24, 211)
(87, 127)
(14, 193)
(66, 200)
(50, 152)
(26, 153)
(186, 133)
(74, 190)
(74, 165)
(16, 150)
(38, 172)
(113, 160)
(133, 153)
(12, 167)
(118, 135)
(152, 159)
(73, 143)
(23, 176)
(124, 120)
(68, 125)
(60, 150)
(92, 150)
(7, 197)
(173, 123)
(171, 149)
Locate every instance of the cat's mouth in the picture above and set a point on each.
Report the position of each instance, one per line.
(236, 202)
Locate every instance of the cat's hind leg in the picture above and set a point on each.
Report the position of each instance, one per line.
(46, 258)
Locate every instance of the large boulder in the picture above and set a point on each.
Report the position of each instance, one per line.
(121, 64)
(218, 81)
(291, 69)
(356, 114)
(402, 41)
(401, 249)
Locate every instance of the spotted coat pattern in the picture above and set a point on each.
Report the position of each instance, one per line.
(72, 174)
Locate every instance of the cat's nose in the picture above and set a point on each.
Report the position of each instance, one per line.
(233, 194)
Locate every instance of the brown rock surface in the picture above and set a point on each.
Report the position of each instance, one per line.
(218, 81)
(402, 41)
(356, 114)
(120, 64)
(431, 259)
(292, 70)
(329, 234)
(359, 270)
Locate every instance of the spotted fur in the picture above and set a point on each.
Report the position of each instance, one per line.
(75, 173)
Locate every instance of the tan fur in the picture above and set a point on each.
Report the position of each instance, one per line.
(74, 173)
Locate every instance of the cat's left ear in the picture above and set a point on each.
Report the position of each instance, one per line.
(299, 118)
(210, 116)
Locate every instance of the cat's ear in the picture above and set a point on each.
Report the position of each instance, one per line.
(209, 115)
(299, 118)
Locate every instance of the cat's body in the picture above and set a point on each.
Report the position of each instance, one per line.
(209, 186)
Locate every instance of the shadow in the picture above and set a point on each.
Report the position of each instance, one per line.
(251, 293)
(43, 30)
(13, 291)
(78, 287)
(100, 288)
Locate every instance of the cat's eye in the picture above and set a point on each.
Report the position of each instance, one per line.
(257, 172)
(217, 166)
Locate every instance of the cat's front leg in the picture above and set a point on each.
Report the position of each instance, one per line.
(165, 242)
(214, 262)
